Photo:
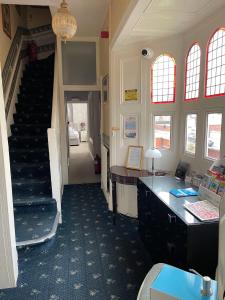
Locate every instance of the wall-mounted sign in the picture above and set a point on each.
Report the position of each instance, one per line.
(130, 127)
(131, 95)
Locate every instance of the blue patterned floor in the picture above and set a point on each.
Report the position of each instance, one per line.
(89, 258)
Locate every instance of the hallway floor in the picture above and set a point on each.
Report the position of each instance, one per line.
(89, 258)
(81, 168)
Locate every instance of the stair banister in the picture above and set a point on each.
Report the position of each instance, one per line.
(54, 143)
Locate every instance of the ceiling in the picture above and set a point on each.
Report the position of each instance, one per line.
(153, 19)
(90, 14)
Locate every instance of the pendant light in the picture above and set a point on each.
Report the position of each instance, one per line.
(64, 24)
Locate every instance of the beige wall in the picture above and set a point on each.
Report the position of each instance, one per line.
(37, 17)
(117, 10)
(5, 41)
(104, 70)
(114, 16)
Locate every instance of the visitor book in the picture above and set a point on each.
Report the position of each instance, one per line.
(183, 192)
(175, 284)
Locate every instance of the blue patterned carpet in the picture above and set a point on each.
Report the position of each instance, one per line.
(89, 258)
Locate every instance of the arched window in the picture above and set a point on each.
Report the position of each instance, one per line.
(163, 79)
(192, 76)
(215, 67)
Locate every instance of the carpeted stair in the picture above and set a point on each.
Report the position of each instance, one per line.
(35, 211)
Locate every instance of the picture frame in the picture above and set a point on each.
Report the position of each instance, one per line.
(105, 88)
(6, 20)
(134, 157)
(130, 126)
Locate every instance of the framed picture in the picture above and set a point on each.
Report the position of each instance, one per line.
(105, 88)
(130, 126)
(6, 22)
(134, 157)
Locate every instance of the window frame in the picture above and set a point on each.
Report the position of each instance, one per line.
(206, 66)
(185, 133)
(166, 114)
(185, 80)
(206, 133)
(174, 86)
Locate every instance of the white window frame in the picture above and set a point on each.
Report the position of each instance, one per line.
(206, 132)
(156, 114)
(185, 133)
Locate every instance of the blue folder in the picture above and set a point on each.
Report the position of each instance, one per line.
(183, 192)
(181, 284)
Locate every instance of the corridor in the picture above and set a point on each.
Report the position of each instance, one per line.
(81, 167)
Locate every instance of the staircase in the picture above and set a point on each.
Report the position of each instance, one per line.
(36, 215)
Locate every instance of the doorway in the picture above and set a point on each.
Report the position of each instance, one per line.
(83, 115)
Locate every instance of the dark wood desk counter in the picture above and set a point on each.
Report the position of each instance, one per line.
(161, 186)
(170, 232)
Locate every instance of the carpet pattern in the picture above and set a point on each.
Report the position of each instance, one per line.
(89, 258)
(34, 208)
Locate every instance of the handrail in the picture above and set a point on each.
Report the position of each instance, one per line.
(16, 53)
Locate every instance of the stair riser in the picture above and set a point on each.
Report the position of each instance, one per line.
(38, 189)
(23, 108)
(28, 130)
(27, 157)
(28, 100)
(33, 142)
(27, 119)
(37, 172)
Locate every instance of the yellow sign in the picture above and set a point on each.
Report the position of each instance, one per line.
(131, 95)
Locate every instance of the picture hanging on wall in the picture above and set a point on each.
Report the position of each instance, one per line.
(134, 157)
(130, 126)
(105, 88)
(6, 22)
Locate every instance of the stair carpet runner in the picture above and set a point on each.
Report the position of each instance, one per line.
(34, 209)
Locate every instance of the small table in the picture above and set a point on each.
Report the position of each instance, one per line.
(119, 174)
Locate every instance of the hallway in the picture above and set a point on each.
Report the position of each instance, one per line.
(89, 258)
(81, 168)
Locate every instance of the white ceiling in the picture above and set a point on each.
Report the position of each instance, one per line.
(153, 19)
(90, 14)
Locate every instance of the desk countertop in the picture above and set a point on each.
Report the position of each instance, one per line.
(161, 185)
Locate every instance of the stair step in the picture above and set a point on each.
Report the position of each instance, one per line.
(20, 200)
(35, 224)
(29, 129)
(30, 170)
(34, 96)
(25, 118)
(40, 107)
(28, 142)
(37, 155)
(32, 187)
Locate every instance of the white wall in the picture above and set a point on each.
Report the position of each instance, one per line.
(131, 71)
(201, 34)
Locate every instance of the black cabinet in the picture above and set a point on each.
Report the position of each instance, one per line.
(170, 233)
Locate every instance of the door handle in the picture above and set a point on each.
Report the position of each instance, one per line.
(172, 218)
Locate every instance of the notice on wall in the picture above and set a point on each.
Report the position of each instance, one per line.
(131, 95)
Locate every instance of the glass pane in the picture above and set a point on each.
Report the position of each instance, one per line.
(214, 122)
(79, 63)
(162, 132)
(190, 136)
(163, 78)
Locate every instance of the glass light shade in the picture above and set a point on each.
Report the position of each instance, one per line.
(153, 153)
(64, 24)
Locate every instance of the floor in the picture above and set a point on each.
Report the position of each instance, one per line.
(89, 258)
(81, 168)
